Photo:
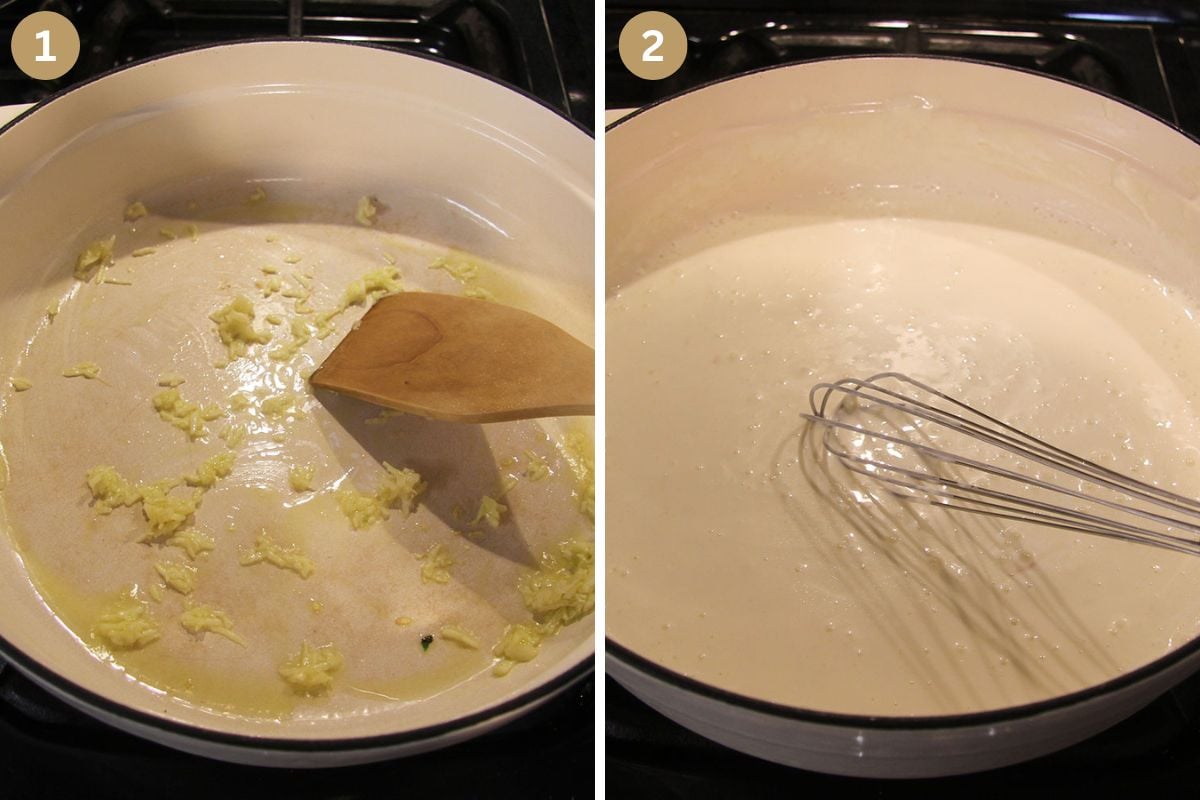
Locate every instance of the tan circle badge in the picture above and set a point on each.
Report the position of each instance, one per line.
(653, 45)
(45, 45)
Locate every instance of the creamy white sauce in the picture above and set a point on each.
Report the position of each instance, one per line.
(738, 558)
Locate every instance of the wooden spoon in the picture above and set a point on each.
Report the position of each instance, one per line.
(462, 360)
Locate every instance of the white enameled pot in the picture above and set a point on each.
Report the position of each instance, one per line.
(459, 158)
(926, 138)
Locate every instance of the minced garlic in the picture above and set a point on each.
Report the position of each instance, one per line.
(192, 542)
(579, 451)
(301, 335)
(180, 577)
(464, 269)
(235, 327)
(166, 512)
(258, 195)
(301, 293)
(460, 636)
(135, 211)
(537, 469)
(560, 592)
(271, 284)
(361, 291)
(84, 369)
(127, 624)
(171, 380)
(519, 643)
(362, 509)
(110, 490)
(201, 618)
(399, 489)
(490, 511)
(301, 478)
(186, 416)
(436, 568)
(233, 435)
(311, 671)
(20, 384)
(366, 212)
(563, 589)
(478, 293)
(211, 471)
(142, 252)
(168, 234)
(458, 266)
(97, 254)
(280, 405)
(289, 558)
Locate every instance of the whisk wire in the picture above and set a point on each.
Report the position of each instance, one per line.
(933, 483)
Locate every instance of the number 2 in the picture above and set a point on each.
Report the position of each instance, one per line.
(44, 38)
(648, 54)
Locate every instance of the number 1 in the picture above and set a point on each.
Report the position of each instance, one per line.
(648, 54)
(44, 37)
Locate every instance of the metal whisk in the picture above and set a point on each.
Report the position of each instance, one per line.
(921, 444)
